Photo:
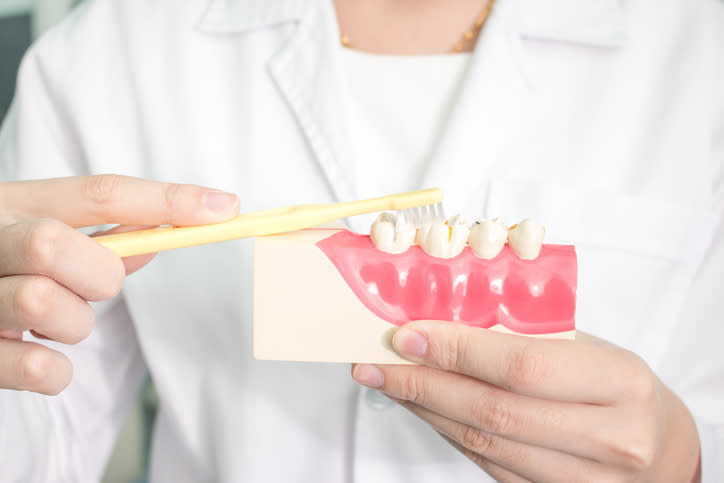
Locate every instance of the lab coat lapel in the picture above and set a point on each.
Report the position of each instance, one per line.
(595, 23)
(307, 72)
(493, 97)
(236, 16)
(500, 85)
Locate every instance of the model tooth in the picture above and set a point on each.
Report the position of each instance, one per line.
(526, 239)
(424, 228)
(487, 237)
(392, 235)
(500, 222)
(456, 220)
(444, 240)
(422, 232)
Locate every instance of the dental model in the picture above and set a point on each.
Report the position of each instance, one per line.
(448, 239)
(488, 237)
(444, 240)
(392, 234)
(526, 238)
(336, 296)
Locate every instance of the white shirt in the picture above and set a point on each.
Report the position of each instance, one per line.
(398, 106)
(602, 119)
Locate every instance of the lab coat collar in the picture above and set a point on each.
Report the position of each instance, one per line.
(593, 22)
(306, 71)
(308, 74)
(235, 16)
(501, 84)
(599, 23)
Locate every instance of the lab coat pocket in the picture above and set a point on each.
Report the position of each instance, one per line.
(637, 256)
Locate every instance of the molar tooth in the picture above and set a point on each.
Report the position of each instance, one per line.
(422, 232)
(456, 220)
(487, 237)
(526, 238)
(444, 240)
(500, 222)
(392, 235)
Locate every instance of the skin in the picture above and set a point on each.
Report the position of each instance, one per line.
(49, 272)
(522, 409)
(407, 26)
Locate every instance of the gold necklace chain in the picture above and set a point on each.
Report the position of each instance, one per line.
(466, 37)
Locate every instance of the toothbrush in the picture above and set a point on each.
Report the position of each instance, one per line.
(414, 203)
(421, 215)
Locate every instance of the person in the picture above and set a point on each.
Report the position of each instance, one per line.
(603, 120)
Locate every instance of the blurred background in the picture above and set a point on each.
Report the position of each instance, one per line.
(21, 21)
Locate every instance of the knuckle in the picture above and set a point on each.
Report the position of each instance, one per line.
(640, 382)
(525, 367)
(32, 299)
(637, 455)
(34, 368)
(172, 195)
(41, 244)
(492, 415)
(413, 388)
(553, 417)
(634, 447)
(453, 355)
(476, 440)
(102, 190)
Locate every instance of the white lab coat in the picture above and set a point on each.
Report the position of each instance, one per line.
(601, 119)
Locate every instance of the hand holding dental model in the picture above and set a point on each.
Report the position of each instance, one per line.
(522, 408)
(49, 272)
(529, 409)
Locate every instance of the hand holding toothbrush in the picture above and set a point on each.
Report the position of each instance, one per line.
(49, 271)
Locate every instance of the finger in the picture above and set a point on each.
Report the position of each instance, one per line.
(530, 462)
(11, 334)
(567, 370)
(562, 426)
(27, 366)
(97, 200)
(52, 249)
(135, 263)
(40, 304)
(495, 471)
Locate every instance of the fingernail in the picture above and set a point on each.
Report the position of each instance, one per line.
(368, 375)
(410, 343)
(220, 201)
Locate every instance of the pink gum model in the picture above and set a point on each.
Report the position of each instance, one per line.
(529, 297)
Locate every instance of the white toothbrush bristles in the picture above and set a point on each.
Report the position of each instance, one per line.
(423, 214)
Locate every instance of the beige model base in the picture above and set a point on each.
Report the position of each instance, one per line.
(305, 311)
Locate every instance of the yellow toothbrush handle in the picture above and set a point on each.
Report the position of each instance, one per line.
(260, 223)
